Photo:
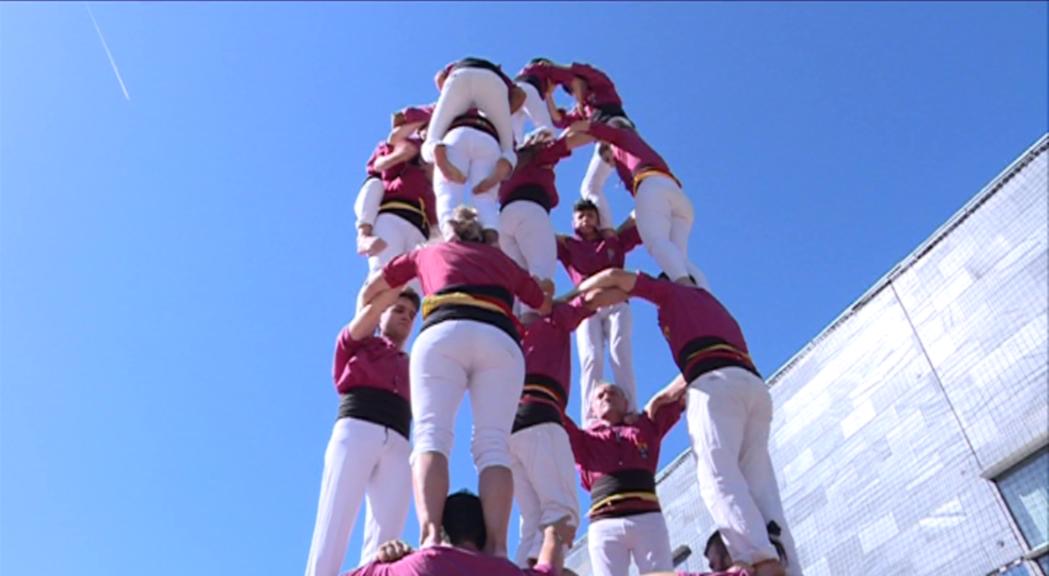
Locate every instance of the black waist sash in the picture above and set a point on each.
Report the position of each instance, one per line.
(476, 122)
(709, 353)
(477, 303)
(528, 192)
(414, 215)
(377, 406)
(543, 400)
(624, 493)
(472, 62)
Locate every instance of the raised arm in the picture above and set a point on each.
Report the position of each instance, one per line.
(403, 150)
(611, 278)
(673, 392)
(367, 318)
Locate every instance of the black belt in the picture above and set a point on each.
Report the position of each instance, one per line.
(531, 193)
(535, 413)
(377, 406)
(531, 79)
(413, 217)
(435, 312)
(635, 488)
(709, 353)
(478, 123)
(471, 62)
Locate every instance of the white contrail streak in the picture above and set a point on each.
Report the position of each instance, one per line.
(112, 62)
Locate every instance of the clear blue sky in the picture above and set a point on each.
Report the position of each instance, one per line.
(175, 266)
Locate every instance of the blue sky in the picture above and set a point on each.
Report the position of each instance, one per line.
(175, 265)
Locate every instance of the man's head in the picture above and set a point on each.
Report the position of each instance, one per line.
(717, 554)
(463, 521)
(609, 403)
(586, 219)
(396, 321)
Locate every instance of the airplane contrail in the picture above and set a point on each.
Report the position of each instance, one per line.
(105, 46)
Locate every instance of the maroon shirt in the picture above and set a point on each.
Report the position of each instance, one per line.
(602, 448)
(372, 362)
(584, 258)
(600, 89)
(548, 345)
(537, 172)
(631, 153)
(457, 263)
(405, 182)
(687, 314)
(423, 113)
(448, 561)
(546, 74)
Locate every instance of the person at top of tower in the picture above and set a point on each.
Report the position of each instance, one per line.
(729, 416)
(595, 247)
(469, 340)
(367, 455)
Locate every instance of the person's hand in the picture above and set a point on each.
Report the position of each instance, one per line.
(448, 170)
(368, 245)
(579, 127)
(499, 173)
(392, 551)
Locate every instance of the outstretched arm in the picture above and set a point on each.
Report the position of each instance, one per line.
(673, 392)
(403, 151)
(603, 297)
(611, 278)
(367, 318)
(402, 132)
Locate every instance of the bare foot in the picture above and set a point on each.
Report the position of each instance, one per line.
(502, 169)
(448, 170)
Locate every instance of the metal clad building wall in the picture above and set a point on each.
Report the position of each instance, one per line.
(889, 424)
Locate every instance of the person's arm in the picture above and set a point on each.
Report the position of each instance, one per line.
(629, 236)
(395, 274)
(610, 278)
(529, 291)
(665, 416)
(671, 393)
(367, 318)
(603, 297)
(403, 151)
(577, 440)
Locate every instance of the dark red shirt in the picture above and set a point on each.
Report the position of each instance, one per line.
(407, 181)
(546, 74)
(548, 344)
(369, 363)
(600, 89)
(457, 263)
(448, 561)
(632, 155)
(688, 313)
(423, 113)
(537, 172)
(603, 449)
(584, 258)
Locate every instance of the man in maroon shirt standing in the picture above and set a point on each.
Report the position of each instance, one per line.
(596, 247)
(729, 416)
(617, 456)
(367, 456)
(464, 523)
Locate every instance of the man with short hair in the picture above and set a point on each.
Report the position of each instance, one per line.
(596, 247)
(463, 522)
(367, 456)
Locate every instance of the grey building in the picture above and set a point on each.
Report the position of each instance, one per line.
(910, 436)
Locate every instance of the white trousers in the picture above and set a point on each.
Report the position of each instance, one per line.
(459, 355)
(366, 206)
(400, 236)
(593, 188)
(664, 220)
(544, 484)
(475, 154)
(729, 416)
(362, 460)
(526, 235)
(467, 88)
(612, 325)
(613, 541)
(535, 110)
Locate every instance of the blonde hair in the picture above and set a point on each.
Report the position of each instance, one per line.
(466, 226)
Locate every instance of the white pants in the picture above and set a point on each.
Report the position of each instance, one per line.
(544, 484)
(467, 88)
(614, 325)
(366, 206)
(613, 541)
(459, 355)
(535, 110)
(664, 219)
(400, 236)
(527, 235)
(362, 460)
(729, 416)
(475, 154)
(593, 187)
